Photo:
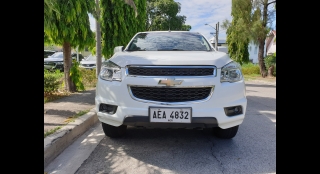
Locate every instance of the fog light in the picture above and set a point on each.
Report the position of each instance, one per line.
(232, 111)
(110, 109)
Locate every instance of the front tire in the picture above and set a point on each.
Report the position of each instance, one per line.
(113, 131)
(225, 133)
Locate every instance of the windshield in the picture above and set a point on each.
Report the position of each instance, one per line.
(169, 41)
(91, 58)
(57, 55)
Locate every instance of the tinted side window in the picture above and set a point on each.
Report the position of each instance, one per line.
(48, 53)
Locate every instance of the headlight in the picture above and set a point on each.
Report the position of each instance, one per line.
(231, 72)
(110, 71)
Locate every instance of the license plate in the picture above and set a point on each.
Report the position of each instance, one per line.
(170, 115)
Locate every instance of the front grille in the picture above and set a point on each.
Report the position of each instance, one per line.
(171, 71)
(171, 94)
(88, 65)
(50, 63)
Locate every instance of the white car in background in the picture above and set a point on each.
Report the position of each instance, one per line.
(170, 79)
(55, 61)
(90, 62)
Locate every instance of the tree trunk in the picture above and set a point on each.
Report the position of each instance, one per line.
(69, 85)
(270, 71)
(261, 40)
(98, 38)
(262, 66)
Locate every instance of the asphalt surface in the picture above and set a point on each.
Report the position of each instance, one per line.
(145, 151)
(58, 111)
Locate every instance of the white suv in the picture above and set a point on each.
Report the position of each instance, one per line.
(170, 79)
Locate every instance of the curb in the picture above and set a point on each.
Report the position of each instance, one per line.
(55, 143)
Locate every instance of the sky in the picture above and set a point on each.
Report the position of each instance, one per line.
(200, 12)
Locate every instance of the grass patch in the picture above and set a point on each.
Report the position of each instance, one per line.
(51, 131)
(251, 76)
(77, 115)
(88, 77)
(250, 68)
(251, 71)
(68, 120)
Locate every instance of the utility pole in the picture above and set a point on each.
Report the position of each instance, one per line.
(216, 36)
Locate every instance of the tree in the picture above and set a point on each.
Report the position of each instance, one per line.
(68, 25)
(119, 23)
(237, 48)
(260, 29)
(186, 27)
(237, 36)
(162, 15)
(96, 14)
(252, 25)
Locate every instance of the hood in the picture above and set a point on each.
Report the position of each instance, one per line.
(53, 59)
(218, 59)
(88, 62)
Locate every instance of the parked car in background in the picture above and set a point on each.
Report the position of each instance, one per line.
(170, 79)
(74, 56)
(48, 53)
(55, 61)
(90, 62)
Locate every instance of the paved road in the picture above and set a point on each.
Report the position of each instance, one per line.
(253, 150)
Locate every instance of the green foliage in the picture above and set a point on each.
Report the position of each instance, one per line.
(93, 50)
(119, 23)
(52, 81)
(89, 78)
(68, 21)
(269, 61)
(250, 68)
(249, 24)
(237, 53)
(237, 31)
(67, 24)
(162, 15)
(186, 27)
(75, 76)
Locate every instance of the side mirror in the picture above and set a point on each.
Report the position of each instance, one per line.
(117, 49)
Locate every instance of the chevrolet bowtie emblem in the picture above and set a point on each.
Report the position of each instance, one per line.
(170, 82)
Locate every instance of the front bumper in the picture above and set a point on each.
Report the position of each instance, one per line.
(53, 66)
(207, 113)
